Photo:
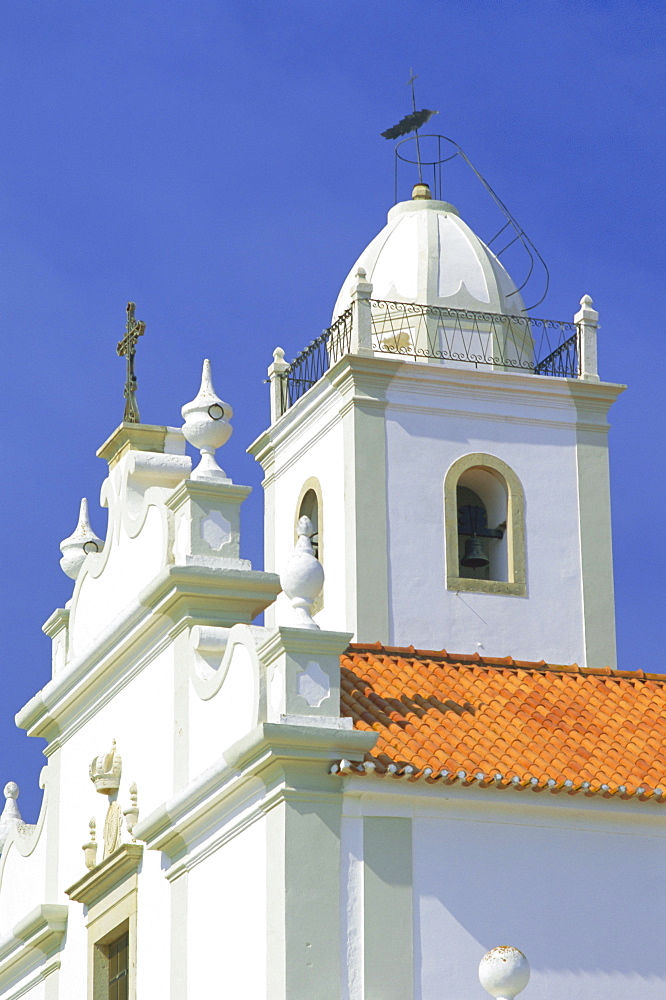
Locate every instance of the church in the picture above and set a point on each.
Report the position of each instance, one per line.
(426, 751)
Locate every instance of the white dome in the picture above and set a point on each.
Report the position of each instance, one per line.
(426, 253)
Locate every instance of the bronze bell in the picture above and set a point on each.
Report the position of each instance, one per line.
(475, 557)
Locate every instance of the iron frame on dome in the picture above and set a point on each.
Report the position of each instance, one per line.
(435, 164)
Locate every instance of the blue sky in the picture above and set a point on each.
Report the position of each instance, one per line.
(220, 163)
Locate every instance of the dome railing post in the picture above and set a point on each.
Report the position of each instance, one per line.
(361, 333)
(587, 323)
(277, 377)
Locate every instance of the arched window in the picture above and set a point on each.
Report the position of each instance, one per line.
(485, 531)
(310, 505)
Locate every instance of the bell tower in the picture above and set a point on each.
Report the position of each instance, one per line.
(451, 451)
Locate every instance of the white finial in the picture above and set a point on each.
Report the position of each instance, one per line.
(586, 312)
(11, 814)
(80, 543)
(90, 849)
(504, 972)
(303, 576)
(207, 427)
(11, 790)
(277, 372)
(132, 814)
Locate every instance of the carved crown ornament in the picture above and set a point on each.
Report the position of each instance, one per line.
(105, 773)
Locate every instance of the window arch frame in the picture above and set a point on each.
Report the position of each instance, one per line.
(516, 584)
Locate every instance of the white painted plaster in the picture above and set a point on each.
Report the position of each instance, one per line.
(296, 461)
(432, 417)
(227, 930)
(215, 529)
(23, 882)
(276, 692)
(153, 973)
(351, 907)
(426, 253)
(129, 564)
(209, 663)
(182, 536)
(421, 445)
(313, 684)
(217, 723)
(395, 275)
(458, 263)
(569, 898)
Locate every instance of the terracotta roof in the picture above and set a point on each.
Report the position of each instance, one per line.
(504, 722)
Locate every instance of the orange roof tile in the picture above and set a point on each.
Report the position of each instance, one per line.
(498, 721)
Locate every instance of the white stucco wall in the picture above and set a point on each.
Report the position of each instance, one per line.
(144, 739)
(22, 884)
(227, 930)
(140, 718)
(381, 446)
(566, 896)
(423, 438)
(297, 462)
(578, 886)
(217, 723)
(127, 566)
(154, 939)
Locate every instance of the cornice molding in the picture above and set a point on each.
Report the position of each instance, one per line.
(237, 822)
(365, 795)
(270, 746)
(210, 491)
(299, 640)
(220, 597)
(33, 939)
(140, 437)
(363, 381)
(321, 409)
(57, 620)
(105, 876)
(295, 453)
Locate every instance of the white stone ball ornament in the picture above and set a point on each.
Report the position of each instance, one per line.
(10, 815)
(80, 543)
(303, 577)
(11, 790)
(207, 427)
(504, 972)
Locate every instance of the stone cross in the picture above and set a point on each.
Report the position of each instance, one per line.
(127, 348)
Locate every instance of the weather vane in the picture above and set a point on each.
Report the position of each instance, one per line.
(411, 123)
(127, 349)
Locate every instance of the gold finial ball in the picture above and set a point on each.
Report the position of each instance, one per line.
(421, 192)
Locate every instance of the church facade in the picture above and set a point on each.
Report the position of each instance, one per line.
(426, 750)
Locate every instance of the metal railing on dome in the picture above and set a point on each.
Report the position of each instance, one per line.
(315, 360)
(457, 338)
